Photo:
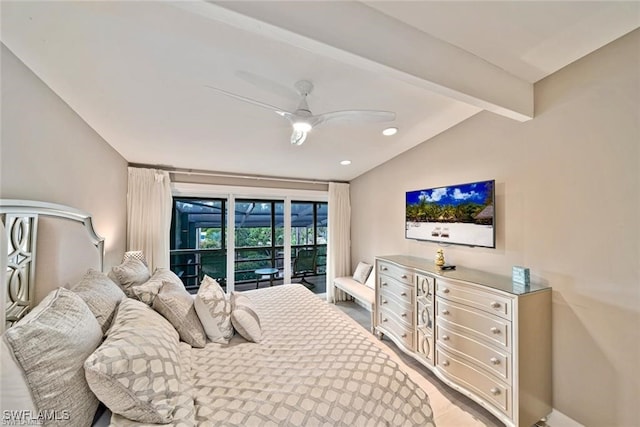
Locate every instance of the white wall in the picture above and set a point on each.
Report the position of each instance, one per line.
(568, 207)
(48, 153)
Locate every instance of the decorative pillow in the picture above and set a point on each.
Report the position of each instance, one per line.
(214, 311)
(131, 272)
(176, 305)
(245, 318)
(136, 254)
(101, 295)
(148, 291)
(50, 344)
(371, 281)
(362, 272)
(16, 395)
(136, 370)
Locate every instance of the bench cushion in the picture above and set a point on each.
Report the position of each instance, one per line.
(355, 289)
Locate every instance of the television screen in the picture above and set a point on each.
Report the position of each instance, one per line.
(458, 214)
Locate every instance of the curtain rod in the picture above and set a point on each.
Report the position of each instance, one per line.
(229, 175)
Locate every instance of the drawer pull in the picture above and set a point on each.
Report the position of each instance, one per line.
(384, 301)
(404, 276)
(384, 268)
(384, 319)
(445, 338)
(445, 290)
(494, 361)
(495, 330)
(404, 315)
(495, 304)
(495, 391)
(445, 312)
(403, 294)
(404, 335)
(445, 363)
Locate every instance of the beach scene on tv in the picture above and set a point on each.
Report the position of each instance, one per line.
(459, 214)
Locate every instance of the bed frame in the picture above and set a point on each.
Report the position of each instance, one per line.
(18, 244)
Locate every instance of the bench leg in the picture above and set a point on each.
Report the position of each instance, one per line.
(372, 318)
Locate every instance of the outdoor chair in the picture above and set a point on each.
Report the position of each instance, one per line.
(305, 265)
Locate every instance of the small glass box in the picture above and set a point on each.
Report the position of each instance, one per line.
(520, 275)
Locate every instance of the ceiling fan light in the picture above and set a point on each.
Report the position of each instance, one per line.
(298, 137)
(302, 126)
(390, 131)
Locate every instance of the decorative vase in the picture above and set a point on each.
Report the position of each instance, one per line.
(439, 257)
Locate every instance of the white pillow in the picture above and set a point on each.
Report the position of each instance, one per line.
(136, 371)
(244, 317)
(371, 281)
(362, 272)
(148, 291)
(16, 395)
(50, 344)
(176, 305)
(214, 311)
(101, 295)
(132, 272)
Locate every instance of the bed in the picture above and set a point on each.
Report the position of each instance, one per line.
(293, 359)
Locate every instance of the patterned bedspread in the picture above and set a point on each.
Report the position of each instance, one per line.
(314, 367)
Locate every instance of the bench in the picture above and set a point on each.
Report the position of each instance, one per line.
(364, 293)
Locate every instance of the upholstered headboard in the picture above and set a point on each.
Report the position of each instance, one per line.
(28, 228)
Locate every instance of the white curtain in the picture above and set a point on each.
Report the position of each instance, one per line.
(339, 243)
(149, 205)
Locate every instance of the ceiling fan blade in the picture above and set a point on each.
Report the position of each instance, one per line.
(286, 115)
(278, 110)
(264, 83)
(369, 116)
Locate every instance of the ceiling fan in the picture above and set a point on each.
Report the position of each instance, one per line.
(302, 120)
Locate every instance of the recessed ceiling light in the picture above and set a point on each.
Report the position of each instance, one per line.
(345, 162)
(390, 131)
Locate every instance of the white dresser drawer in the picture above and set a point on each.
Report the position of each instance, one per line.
(398, 273)
(495, 362)
(402, 309)
(476, 323)
(483, 299)
(388, 321)
(398, 290)
(473, 379)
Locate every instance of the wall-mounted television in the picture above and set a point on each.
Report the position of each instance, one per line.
(457, 214)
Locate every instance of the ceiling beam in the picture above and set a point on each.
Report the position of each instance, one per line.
(368, 39)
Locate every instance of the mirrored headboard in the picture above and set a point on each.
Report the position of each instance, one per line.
(33, 230)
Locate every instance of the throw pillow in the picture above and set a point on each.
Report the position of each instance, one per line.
(50, 344)
(101, 295)
(148, 291)
(136, 371)
(214, 311)
(131, 272)
(245, 318)
(176, 305)
(362, 272)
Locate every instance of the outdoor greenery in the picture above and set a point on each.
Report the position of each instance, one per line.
(211, 238)
(424, 211)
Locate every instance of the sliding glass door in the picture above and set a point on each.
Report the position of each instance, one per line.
(259, 240)
(198, 240)
(273, 242)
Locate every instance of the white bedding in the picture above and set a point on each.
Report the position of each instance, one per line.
(314, 366)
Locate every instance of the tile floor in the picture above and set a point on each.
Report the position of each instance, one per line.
(451, 409)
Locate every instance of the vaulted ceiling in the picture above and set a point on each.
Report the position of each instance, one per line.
(137, 72)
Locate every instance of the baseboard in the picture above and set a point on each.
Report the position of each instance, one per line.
(558, 419)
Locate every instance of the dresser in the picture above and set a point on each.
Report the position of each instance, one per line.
(478, 332)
